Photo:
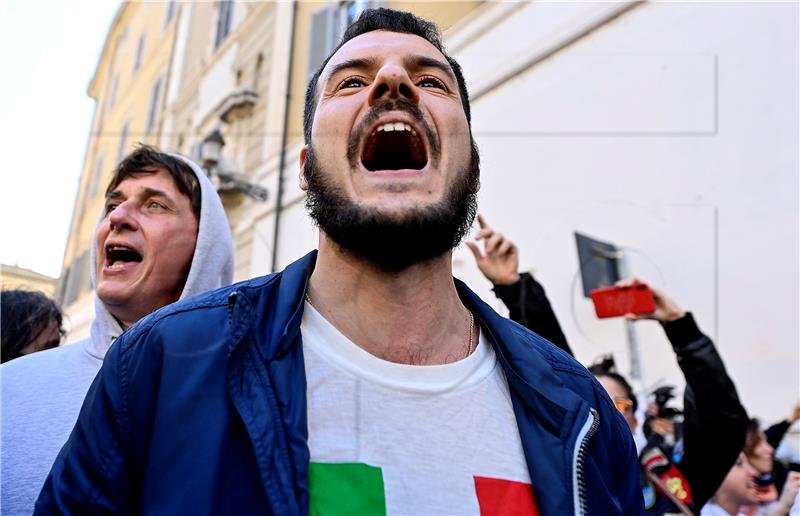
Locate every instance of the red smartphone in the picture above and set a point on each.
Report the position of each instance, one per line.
(617, 301)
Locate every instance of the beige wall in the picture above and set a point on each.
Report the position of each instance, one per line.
(13, 277)
(674, 140)
(130, 104)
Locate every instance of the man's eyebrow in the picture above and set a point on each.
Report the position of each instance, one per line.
(430, 62)
(152, 192)
(360, 62)
(148, 192)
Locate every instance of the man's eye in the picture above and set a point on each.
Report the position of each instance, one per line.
(430, 82)
(351, 82)
(111, 207)
(156, 204)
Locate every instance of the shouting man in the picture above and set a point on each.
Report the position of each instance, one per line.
(163, 235)
(362, 379)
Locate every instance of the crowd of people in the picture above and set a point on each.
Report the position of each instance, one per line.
(721, 462)
(361, 379)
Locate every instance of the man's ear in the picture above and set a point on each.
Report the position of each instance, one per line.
(303, 182)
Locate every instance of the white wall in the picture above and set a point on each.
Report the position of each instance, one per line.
(673, 131)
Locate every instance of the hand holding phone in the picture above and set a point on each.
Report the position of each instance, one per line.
(634, 298)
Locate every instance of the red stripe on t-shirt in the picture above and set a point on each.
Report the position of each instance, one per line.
(504, 497)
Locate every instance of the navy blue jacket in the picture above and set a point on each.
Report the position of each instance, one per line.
(200, 408)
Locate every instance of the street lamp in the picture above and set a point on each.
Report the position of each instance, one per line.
(225, 180)
(211, 149)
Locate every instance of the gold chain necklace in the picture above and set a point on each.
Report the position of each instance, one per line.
(470, 330)
(469, 335)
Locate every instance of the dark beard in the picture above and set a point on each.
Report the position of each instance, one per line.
(393, 243)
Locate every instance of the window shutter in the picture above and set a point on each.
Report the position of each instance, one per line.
(325, 33)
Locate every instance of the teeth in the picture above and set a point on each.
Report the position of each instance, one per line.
(118, 248)
(115, 266)
(395, 126)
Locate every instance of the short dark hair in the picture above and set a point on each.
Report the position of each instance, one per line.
(394, 21)
(752, 437)
(24, 315)
(145, 158)
(599, 371)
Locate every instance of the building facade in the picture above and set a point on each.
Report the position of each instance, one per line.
(128, 87)
(14, 277)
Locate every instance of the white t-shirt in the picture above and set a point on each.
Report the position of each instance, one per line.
(712, 509)
(389, 438)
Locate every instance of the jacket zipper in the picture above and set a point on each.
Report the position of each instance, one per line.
(578, 458)
(231, 305)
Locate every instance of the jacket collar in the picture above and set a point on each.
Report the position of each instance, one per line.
(526, 369)
(548, 414)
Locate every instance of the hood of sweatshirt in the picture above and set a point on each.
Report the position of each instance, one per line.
(211, 268)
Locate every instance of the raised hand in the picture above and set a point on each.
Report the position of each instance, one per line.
(499, 261)
(666, 309)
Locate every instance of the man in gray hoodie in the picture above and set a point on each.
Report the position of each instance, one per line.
(162, 236)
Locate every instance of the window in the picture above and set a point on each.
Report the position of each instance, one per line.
(152, 114)
(75, 278)
(327, 26)
(86, 274)
(98, 174)
(223, 21)
(257, 71)
(353, 10)
(123, 142)
(61, 290)
(114, 88)
(170, 13)
(139, 51)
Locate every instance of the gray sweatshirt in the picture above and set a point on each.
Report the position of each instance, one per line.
(42, 393)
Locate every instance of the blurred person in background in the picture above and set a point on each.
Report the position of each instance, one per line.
(772, 478)
(162, 236)
(739, 494)
(736, 491)
(676, 477)
(30, 321)
(775, 437)
(760, 455)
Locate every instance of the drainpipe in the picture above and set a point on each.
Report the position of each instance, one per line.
(284, 138)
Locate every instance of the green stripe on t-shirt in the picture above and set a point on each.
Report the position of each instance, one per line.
(345, 488)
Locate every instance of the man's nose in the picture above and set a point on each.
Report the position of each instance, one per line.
(123, 217)
(393, 83)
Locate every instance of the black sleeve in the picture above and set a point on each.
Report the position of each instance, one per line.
(776, 432)
(715, 422)
(528, 305)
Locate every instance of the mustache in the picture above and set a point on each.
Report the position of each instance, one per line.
(375, 112)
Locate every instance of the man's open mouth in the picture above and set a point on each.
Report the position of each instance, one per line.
(118, 256)
(394, 146)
